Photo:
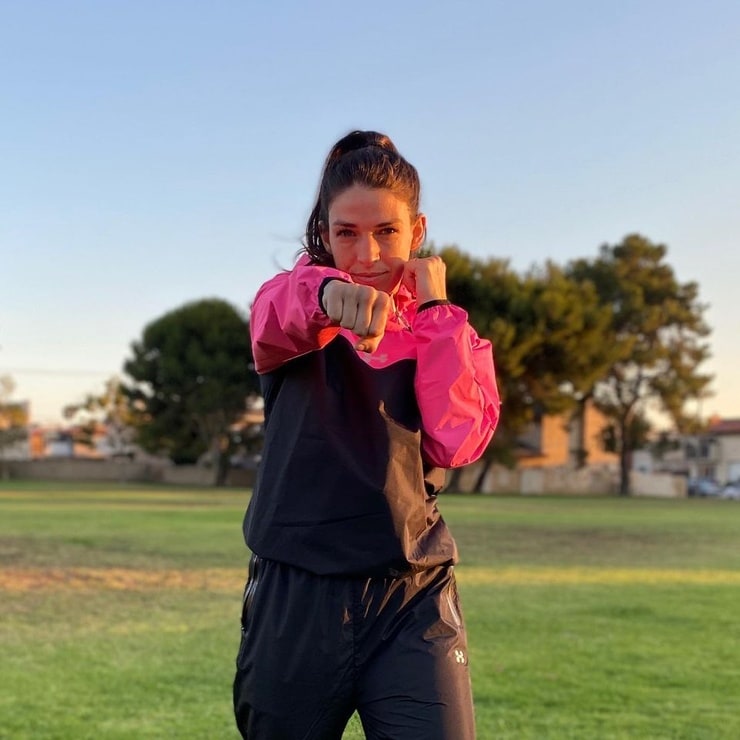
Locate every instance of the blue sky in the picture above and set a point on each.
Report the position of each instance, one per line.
(153, 153)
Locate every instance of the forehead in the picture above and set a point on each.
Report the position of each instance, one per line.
(359, 204)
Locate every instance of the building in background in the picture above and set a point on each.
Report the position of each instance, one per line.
(14, 430)
(711, 458)
(716, 453)
(566, 440)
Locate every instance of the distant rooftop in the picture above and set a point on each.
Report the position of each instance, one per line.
(724, 426)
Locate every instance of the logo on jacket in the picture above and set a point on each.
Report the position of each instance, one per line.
(375, 358)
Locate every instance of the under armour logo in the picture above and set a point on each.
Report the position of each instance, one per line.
(459, 656)
(375, 358)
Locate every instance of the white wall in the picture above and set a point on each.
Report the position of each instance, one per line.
(658, 485)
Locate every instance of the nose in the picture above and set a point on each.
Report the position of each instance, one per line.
(368, 250)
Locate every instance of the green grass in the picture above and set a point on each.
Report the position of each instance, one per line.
(636, 658)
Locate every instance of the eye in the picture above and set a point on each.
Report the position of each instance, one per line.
(386, 230)
(344, 233)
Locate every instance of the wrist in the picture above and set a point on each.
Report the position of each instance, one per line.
(423, 305)
(322, 290)
(424, 296)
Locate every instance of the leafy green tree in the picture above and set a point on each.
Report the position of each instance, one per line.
(656, 339)
(546, 329)
(494, 297)
(572, 356)
(190, 373)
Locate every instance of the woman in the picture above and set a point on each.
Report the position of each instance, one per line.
(374, 383)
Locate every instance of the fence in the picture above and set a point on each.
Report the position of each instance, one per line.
(595, 480)
(124, 471)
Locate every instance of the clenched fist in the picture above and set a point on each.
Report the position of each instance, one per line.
(426, 278)
(359, 308)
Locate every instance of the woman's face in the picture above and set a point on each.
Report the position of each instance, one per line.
(371, 235)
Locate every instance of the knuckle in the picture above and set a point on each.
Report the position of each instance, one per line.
(367, 294)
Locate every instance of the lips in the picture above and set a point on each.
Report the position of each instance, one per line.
(369, 277)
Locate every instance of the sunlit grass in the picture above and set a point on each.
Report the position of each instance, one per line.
(587, 618)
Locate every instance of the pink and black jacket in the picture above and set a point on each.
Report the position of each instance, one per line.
(356, 444)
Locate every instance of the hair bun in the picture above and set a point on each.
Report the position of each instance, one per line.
(360, 140)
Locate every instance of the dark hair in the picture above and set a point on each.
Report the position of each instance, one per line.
(364, 158)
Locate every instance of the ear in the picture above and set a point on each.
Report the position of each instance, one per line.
(418, 232)
(324, 234)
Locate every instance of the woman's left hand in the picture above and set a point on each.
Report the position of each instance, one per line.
(426, 278)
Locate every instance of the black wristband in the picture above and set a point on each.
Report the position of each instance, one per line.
(322, 288)
(432, 304)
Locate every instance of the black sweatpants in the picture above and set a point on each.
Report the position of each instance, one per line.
(316, 648)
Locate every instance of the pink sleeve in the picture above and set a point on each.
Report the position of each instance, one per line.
(455, 387)
(286, 320)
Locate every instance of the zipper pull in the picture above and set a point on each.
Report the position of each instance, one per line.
(399, 317)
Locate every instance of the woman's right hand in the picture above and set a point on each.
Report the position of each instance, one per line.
(359, 308)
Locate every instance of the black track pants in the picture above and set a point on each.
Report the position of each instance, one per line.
(315, 648)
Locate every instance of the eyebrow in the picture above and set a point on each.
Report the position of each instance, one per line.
(377, 226)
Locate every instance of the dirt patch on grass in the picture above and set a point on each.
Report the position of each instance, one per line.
(596, 576)
(232, 579)
(119, 579)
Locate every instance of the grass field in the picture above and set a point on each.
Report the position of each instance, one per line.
(588, 618)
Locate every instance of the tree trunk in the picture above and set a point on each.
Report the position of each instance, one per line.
(481, 479)
(223, 465)
(454, 485)
(624, 459)
(581, 453)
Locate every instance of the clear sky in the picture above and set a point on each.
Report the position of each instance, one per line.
(154, 153)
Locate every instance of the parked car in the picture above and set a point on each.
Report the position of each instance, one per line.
(703, 487)
(731, 490)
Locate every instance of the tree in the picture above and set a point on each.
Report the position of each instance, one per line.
(493, 296)
(655, 336)
(546, 330)
(110, 408)
(13, 421)
(571, 356)
(190, 376)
